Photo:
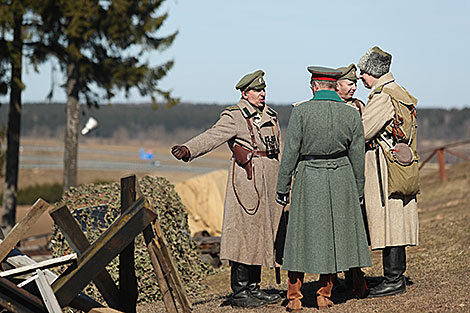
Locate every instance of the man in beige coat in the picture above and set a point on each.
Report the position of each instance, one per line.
(251, 213)
(392, 219)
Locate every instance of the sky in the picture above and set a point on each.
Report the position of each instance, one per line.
(219, 41)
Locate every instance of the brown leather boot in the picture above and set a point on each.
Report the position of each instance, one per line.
(360, 285)
(294, 295)
(324, 291)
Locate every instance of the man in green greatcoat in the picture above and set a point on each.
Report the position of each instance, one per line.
(324, 153)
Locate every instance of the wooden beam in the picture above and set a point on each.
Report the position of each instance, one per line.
(127, 280)
(166, 259)
(161, 274)
(81, 302)
(40, 265)
(70, 228)
(47, 294)
(16, 299)
(22, 227)
(103, 250)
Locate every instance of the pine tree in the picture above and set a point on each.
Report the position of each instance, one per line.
(14, 28)
(102, 44)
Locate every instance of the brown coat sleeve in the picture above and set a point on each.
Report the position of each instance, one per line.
(377, 113)
(222, 131)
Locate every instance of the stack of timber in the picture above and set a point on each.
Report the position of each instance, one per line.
(96, 206)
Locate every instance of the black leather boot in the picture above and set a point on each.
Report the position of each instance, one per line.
(394, 263)
(239, 280)
(253, 286)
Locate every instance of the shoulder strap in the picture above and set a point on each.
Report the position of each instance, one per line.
(358, 105)
(252, 134)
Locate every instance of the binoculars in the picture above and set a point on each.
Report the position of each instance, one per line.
(272, 146)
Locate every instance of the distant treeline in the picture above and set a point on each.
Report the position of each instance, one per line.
(124, 121)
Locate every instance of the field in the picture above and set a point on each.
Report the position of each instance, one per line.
(438, 269)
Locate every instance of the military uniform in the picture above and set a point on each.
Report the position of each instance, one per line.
(392, 219)
(251, 214)
(395, 222)
(246, 238)
(349, 73)
(324, 154)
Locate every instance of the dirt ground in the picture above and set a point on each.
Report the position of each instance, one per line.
(438, 269)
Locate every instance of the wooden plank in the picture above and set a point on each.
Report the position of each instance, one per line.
(105, 248)
(104, 310)
(162, 245)
(22, 227)
(40, 265)
(16, 299)
(78, 241)
(81, 302)
(47, 294)
(127, 279)
(165, 290)
(165, 257)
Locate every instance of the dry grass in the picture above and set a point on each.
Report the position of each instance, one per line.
(438, 269)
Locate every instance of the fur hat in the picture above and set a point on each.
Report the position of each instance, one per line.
(375, 62)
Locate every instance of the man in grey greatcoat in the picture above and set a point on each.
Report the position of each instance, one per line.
(251, 213)
(392, 219)
(324, 154)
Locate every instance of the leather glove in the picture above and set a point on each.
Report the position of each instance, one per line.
(282, 198)
(181, 153)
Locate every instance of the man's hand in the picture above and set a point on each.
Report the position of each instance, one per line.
(181, 153)
(282, 198)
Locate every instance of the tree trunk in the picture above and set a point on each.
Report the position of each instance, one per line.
(10, 188)
(71, 129)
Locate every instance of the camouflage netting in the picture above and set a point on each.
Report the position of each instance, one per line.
(96, 206)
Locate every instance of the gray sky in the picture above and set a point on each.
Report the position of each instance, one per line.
(219, 41)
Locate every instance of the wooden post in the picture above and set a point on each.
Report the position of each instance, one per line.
(69, 227)
(165, 289)
(167, 274)
(104, 249)
(442, 163)
(127, 280)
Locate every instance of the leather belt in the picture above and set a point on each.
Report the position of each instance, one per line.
(308, 157)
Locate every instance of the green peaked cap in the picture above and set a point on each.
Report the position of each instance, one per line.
(323, 73)
(348, 72)
(253, 80)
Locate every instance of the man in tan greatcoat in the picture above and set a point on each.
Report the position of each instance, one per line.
(251, 213)
(392, 219)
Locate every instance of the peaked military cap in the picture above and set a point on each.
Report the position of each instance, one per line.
(375, 62)
(324, 73)
(253, 80)
(348, 72)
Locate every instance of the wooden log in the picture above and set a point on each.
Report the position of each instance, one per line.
(160, 273)
(22, 227)
(40, 265)
(105, 248)
(127, 280)
(47, 294)
(78, 241)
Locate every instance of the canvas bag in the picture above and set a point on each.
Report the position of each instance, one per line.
(402, 157)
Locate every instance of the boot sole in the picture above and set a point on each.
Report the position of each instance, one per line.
(392, 293)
